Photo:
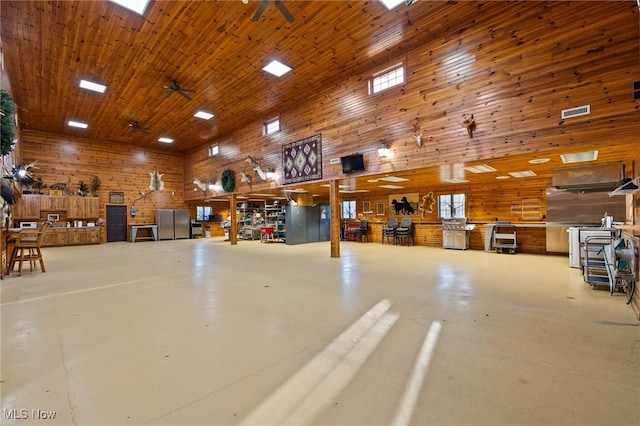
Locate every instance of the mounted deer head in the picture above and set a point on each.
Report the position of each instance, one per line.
(470, 124)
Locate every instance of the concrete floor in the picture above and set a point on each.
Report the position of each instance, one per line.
(200, 332)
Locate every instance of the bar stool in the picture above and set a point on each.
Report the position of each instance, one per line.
(27, 248)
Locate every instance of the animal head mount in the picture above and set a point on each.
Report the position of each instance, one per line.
(199, 184)
(245, 177)
(22, 173)
(256, 167)
(470, 124)
(418, 139)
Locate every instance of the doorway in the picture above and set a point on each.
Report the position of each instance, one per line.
(116, 223)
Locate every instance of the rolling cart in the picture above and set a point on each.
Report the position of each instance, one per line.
(504, 238)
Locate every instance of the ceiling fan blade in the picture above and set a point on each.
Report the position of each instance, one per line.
(187, 97)
(288, 16)
(187, 90)
(169, 93)
(260, 10)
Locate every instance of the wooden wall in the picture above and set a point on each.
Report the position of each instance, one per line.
(514, 71)
(120, 168)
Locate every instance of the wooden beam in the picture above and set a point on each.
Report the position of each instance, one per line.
(334, 204)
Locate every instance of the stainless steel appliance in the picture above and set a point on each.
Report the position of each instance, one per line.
(577, 237)
(172, 224)
(455, 233)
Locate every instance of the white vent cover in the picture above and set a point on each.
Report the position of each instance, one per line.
(334, 161)
(575, 112)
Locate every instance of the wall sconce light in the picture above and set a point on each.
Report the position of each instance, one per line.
(383, 150)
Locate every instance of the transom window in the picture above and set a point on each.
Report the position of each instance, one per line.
(387, 79)
(272, 126)
(452, 206)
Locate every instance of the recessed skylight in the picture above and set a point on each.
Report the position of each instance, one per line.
(90, 85)
(391, 186)
(165, 140)
(455, 180)
(78, 124)
(481, 168)
(502, 177)
(277, 68)
(391, 4)
(524, 173)
(393, 179)
(539, 160)
(577, 157)
(137, 6)
(204, 115)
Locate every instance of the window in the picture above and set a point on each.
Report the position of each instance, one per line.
(348, 209)
(451, 206)
(214, 150)
(386, 79)
(203, 212)
(272, 126)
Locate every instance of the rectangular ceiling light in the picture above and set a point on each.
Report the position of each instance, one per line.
(77, 124)
(525, 173)
(393, 179)
(90, 85)
(481, 168)
(138, 6)
(204, 115)
(455, 180)
(578, 157)
(277, 68)
(165, 140)
(391, 4)
(391, 186)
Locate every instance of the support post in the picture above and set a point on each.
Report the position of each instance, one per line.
(334, 205)
(233, 229)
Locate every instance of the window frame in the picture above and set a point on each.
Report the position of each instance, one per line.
(452, 205)
(386, 72)
(351, 209)
(266, 126)
(200, 213)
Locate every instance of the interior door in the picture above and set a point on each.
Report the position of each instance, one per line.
(116, 223)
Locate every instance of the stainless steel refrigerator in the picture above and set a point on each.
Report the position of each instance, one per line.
(172, 224)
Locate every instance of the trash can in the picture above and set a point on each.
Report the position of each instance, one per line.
(207, 232)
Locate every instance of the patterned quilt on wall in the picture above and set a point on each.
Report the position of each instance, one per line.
(302, 160)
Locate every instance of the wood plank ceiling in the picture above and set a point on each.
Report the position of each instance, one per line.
(212, 47)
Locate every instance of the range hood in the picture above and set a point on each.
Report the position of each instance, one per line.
(593, 178)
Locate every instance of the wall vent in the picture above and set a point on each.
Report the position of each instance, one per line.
(575, 112)
(334, 161)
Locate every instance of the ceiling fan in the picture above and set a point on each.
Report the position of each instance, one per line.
(263, 5)
(136, 126)
(174, 87)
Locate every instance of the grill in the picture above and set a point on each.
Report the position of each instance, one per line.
(455, 233)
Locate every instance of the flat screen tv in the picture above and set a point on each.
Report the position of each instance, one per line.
(352, 163)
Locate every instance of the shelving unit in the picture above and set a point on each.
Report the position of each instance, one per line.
(275, 216)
